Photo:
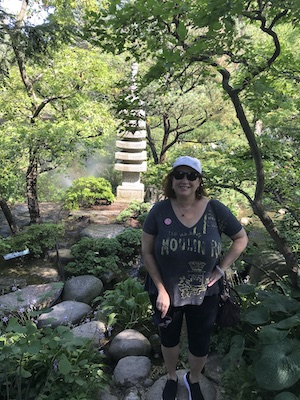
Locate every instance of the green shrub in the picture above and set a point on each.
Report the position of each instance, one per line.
(130, 241)
(99, 256)
(95, 257)
(47, 364)
(38, 238)
(85, 192)
(141, 218)
(127, 304)
(136, 210)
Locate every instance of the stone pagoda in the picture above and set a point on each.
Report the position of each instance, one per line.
(131, 155)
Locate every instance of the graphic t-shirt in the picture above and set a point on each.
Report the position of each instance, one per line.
(186, 256)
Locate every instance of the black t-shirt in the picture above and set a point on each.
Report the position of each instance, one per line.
(186, 256)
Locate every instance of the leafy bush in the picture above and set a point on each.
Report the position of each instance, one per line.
(130, 241)
(94, 256)
(128, 303)
(47, 364)
(85, 192)
(267, 350)
(136, 210)
(99, 256)
(37, 238)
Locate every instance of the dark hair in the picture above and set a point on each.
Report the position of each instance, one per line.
(169, 192)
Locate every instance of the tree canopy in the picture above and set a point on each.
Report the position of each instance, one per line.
(241, 44)
(55, 105)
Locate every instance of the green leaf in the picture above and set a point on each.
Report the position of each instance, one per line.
(131, 303)
(279, 365)
(286, 396)
(181, 30)
(276, 302)
(236, 351)
(25, 374)
(271, 334)
(64, 365)
(245, 290)
(111, 319)
(290, 322)
(257, 316)
(14, 326)
(79, 382)
(33, 348)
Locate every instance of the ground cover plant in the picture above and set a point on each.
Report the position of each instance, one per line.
(126, 305)
(47, 363)
(263, 361)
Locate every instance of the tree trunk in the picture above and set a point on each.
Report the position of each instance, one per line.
(256, 204)
(164, 147)
(31, 190)
(9, 217)
(151, 144)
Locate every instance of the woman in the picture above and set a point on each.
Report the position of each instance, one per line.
(181, 247)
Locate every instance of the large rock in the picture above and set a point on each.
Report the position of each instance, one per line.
(64, 313)
(131, 370)
(8, 283)
(95, 231)
(84, 288)
(207, 388)
(107, 396)
(93, 330)
(213, 368)
(31, 297)
(129, 343)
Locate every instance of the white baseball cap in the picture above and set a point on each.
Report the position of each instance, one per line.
(188, 162)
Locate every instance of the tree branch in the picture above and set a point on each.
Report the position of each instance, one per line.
(43, 104)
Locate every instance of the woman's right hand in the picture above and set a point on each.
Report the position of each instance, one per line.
(163, 302)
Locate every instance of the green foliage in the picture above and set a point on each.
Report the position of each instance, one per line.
(130, 241)
(220, 341)
(47, 364)
(51, 187)
(95, 257)
(100, 256)
(38, 238)
(85, 192)
(135, 210)
(72, 94)
(239, 384)
(265, 356)
(155, 174)
(191, 40)
(127, 302)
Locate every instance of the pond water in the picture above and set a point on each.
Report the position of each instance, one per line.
(23, 271)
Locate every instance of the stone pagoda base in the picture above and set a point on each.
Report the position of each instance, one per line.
(127, 194)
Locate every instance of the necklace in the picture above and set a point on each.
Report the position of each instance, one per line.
(184, 210)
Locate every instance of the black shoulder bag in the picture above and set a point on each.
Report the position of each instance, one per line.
(229, 313)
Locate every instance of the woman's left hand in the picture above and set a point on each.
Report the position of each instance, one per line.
(214, 277)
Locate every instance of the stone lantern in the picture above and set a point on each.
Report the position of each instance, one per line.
(131, 155)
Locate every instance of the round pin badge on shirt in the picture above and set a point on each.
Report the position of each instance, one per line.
(168, 221)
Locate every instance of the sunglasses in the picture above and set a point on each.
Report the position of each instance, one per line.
(191, 176)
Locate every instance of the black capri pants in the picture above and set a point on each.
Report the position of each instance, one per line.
(200, 322)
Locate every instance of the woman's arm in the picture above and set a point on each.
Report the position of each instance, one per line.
(239, 243)
(163, 299)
